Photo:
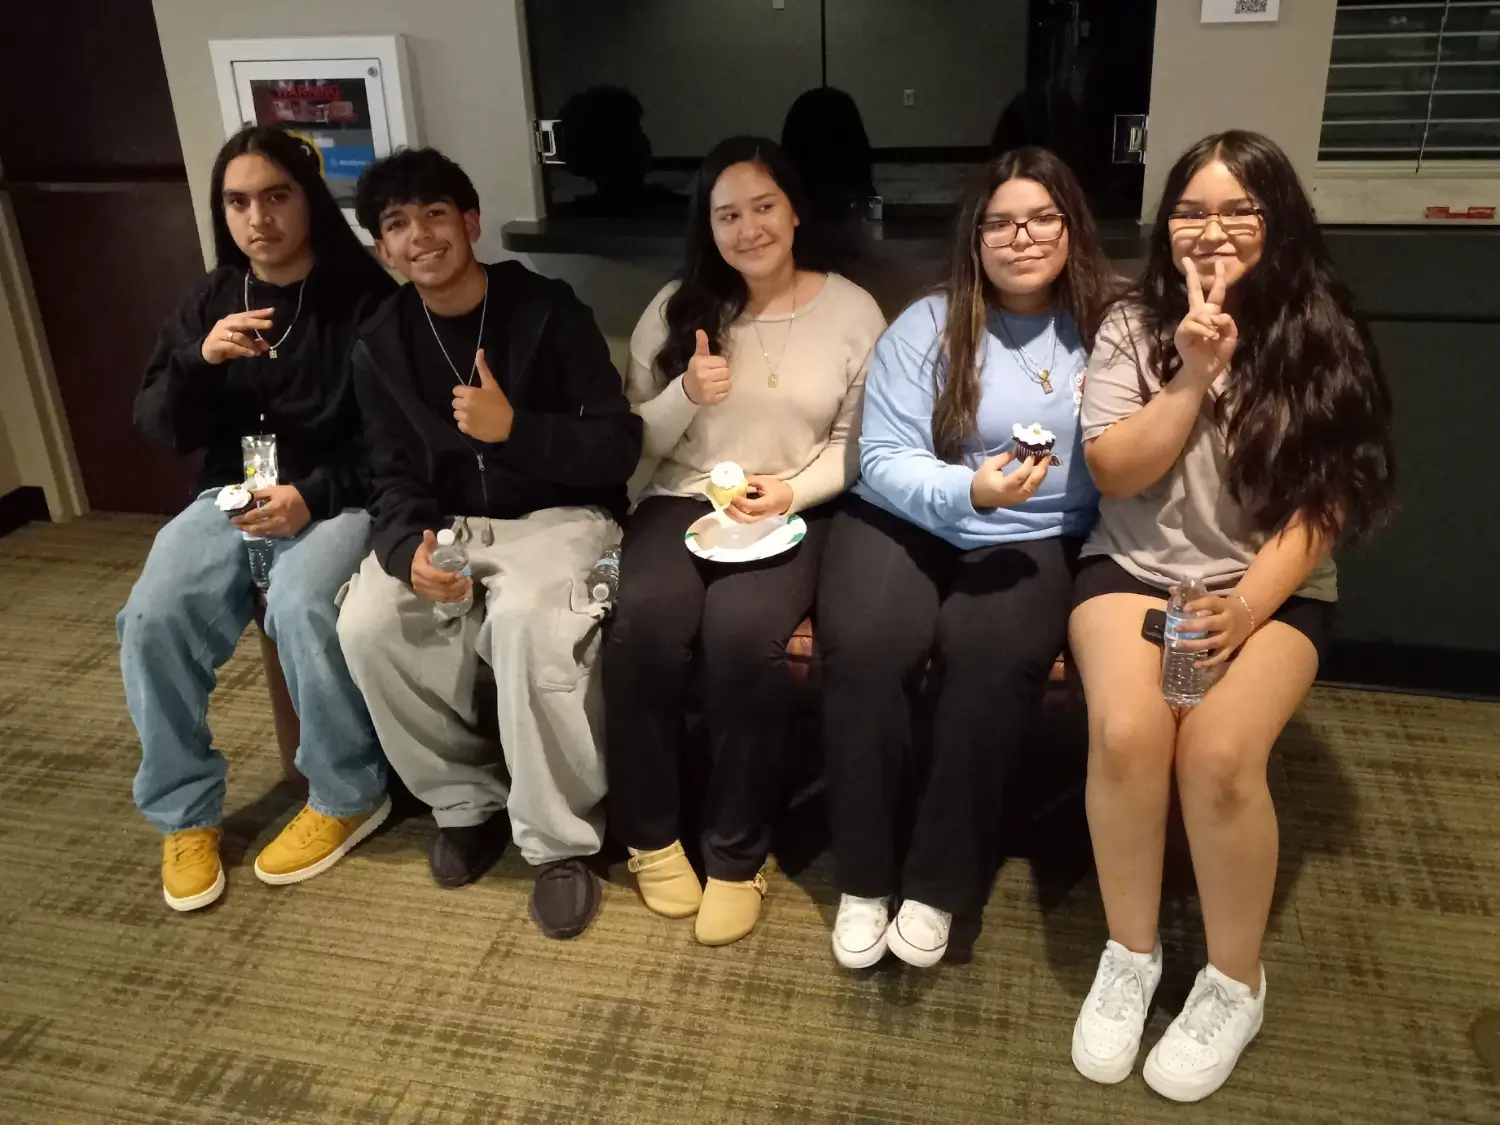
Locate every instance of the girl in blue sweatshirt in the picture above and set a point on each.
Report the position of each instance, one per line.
(954, 556)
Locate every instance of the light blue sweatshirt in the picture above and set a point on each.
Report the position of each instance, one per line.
(899, 470)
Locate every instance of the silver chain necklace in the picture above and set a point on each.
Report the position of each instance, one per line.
(471, 379)
(1042, 378)
(773, 379)
(301, 289)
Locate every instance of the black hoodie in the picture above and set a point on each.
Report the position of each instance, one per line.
(304, 396)
(574, 440)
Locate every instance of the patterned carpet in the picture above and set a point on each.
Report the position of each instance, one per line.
(368, 996)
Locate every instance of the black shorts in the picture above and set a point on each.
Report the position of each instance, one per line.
(1100, 574)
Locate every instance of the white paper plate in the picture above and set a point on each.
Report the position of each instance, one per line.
(709, 538)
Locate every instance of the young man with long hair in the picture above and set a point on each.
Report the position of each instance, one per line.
(491, 409)
(258, 347)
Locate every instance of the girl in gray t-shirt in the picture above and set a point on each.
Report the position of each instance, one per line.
(1237, 423)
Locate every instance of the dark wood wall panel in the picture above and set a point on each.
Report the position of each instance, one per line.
(83, 88)
(108, 267)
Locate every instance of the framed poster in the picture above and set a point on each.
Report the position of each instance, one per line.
(346, 96)
(1241, 11)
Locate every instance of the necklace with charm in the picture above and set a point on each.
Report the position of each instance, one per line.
(773, 379)
(301, 289)
(1043, 377)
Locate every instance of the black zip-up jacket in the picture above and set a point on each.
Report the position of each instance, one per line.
(304, 396)
(574, 441)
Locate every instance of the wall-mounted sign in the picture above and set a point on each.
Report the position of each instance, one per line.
(1241, 11)
(346, 96)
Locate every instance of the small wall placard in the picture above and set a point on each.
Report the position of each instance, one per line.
(1241, 11)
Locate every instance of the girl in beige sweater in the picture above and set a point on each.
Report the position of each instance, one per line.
(757, 357)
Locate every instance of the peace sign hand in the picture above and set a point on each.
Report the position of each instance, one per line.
(1207, 336)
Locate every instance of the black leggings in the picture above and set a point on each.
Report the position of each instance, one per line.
(991, 621)
(742, 617)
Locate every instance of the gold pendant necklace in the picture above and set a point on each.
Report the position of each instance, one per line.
(773, 379)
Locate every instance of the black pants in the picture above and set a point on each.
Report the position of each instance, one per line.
(991, 621)
(742, 617)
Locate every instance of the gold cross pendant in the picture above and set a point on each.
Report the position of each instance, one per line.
(1046, 380)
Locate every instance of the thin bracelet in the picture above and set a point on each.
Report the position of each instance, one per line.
(1248, 610)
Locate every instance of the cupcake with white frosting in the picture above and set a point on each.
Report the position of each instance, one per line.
(1034, 442)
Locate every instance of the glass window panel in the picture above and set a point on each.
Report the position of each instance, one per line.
(936, 90)
(1432, 69)
(1344, 140)
(1387, 50)
(1484, 17)
(1358, 78)
(1451, 138)
(1484, 76)
(1387, 19)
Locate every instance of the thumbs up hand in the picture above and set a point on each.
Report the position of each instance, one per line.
(706, 379)
(483, 412)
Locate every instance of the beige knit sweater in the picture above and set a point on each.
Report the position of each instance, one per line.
(805, 430)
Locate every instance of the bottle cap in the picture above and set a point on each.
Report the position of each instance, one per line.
(599, 592)
(445, 537)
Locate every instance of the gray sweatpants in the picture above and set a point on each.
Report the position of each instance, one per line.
(534, 625)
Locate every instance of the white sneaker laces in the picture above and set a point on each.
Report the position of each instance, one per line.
(1120, 991)
(1208, 1009)
(861, 912)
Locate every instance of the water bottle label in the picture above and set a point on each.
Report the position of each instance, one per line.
(1174, 630)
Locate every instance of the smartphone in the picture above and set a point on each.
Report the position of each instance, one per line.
(1154, 627)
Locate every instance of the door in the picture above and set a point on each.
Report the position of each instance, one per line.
(93, 174)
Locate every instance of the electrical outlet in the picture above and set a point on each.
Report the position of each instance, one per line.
(908, 98)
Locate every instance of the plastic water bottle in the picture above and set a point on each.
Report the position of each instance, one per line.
(451, 556)
(262, 553)
(604, 579)
(1183, 681)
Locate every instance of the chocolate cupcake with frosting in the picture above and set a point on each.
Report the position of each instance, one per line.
(1035, 442)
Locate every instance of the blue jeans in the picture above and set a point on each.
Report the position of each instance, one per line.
(181, 624)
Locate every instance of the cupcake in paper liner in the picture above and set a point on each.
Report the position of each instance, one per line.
(726, 481)
(1035, 442)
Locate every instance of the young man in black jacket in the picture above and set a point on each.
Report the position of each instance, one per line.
(260, 346)
(491, 407)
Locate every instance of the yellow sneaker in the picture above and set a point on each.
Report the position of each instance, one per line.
(191, 875)
(668, 884)
(730, 910)
(312, 843)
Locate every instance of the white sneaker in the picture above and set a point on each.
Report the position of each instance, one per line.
(920, 935)
(859, 931)
(1107, 1033)
(1199, 1050)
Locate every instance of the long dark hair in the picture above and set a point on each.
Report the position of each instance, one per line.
(711, 294)
(1307, 412)
(1084, 289)
(334, 244)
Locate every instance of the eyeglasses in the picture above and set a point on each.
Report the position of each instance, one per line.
(999, 233)
(1237, 221)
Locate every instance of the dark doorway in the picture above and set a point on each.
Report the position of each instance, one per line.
(94, 174)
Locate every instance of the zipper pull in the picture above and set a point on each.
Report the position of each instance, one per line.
(480, 458)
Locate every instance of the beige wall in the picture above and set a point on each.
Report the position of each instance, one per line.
(1269, 77)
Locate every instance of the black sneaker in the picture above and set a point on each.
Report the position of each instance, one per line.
(565, 898)
(458, 856)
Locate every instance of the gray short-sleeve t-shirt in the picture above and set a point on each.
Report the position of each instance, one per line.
(1187, 522)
